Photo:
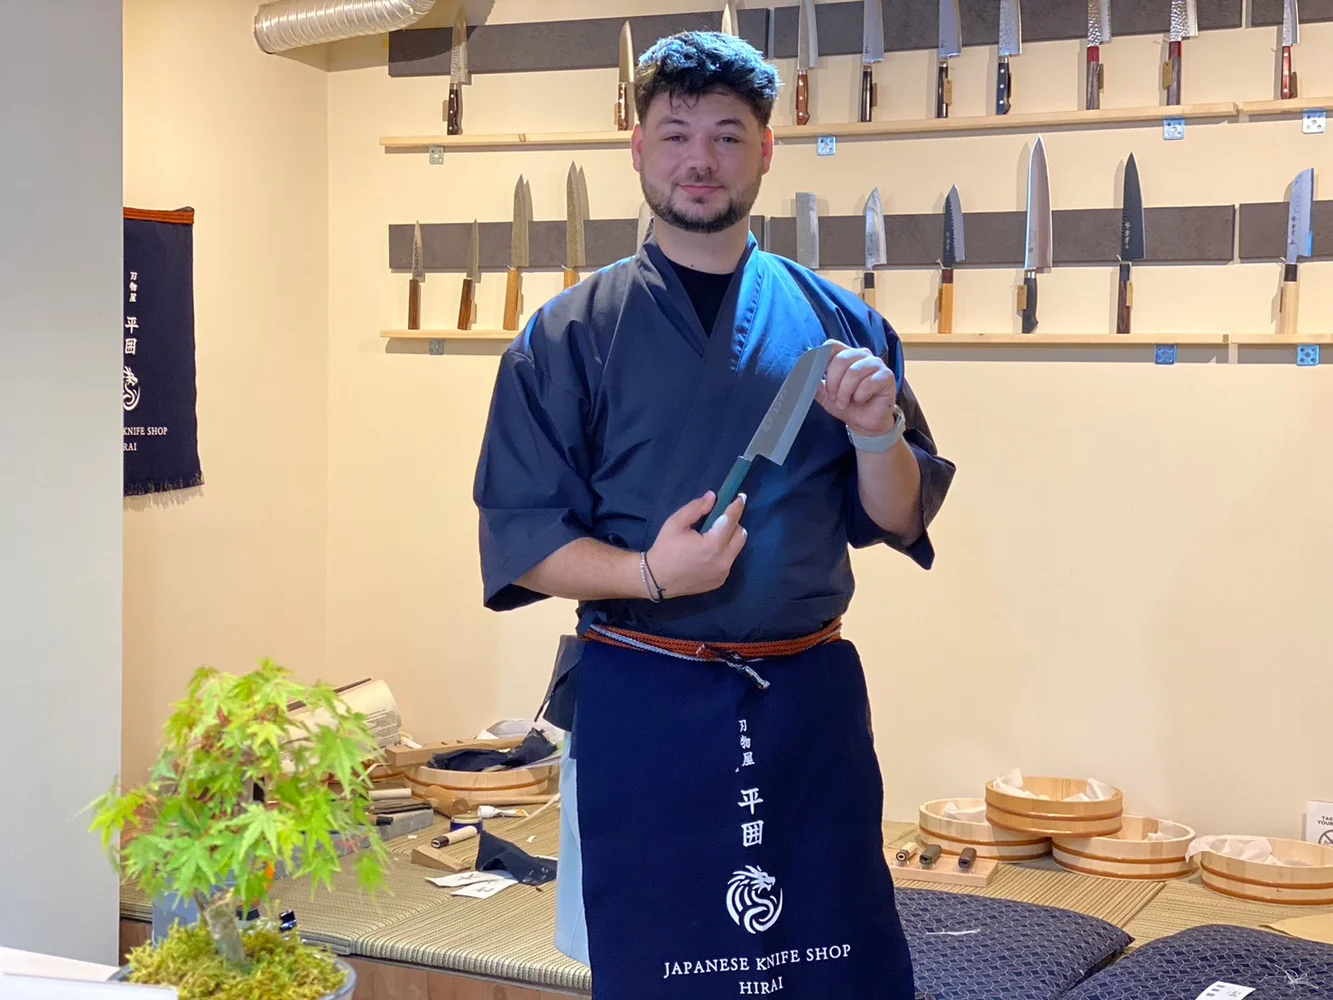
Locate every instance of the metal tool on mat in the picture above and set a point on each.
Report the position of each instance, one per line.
(930, 855)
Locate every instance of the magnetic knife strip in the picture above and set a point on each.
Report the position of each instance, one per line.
(1192, 235)
(908, 25)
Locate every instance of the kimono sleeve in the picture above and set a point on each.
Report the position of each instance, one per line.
(531, 486)
(937, 474)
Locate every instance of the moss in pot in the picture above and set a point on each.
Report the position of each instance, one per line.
(245, 785)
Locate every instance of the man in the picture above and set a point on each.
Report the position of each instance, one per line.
(722, 797)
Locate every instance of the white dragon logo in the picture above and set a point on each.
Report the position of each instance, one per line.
(130, 392)
(751, 902)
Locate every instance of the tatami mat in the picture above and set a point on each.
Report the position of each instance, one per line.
(1181, 905)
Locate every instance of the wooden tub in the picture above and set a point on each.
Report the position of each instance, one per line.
(1307, 884)
(953, 835)
(1053, 817)
(447, 791)
(1129, 853)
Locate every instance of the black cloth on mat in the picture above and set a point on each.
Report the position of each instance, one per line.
(497, 854)
(535, 747)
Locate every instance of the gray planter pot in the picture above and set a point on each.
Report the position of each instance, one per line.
(348, 987)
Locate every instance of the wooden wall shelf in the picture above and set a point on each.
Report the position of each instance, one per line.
(1062, 339)
(842, 130)
(504, 335)
(1279, 339)
(1293, 108)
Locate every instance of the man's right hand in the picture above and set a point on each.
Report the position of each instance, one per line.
(685, 561)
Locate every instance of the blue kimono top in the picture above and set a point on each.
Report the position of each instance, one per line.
(614, 408)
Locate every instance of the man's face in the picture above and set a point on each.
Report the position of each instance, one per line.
(700, 160)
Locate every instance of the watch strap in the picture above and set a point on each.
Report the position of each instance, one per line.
(883, 442)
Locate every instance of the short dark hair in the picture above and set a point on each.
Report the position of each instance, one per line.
(693, 63)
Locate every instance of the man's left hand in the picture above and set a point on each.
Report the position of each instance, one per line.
(859, 389)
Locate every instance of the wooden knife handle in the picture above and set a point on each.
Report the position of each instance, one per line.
(571, 277)
(867, 93)
(1027, 302)
(466, 305)
(414, 305)
(730, 487)
(513, 297)
(1288, 77)
(455, 110)
(622, 107)
(1004, 87)
(802, 97)
(1287, 312)
(1096, 79)
(943, 90)
(946, 301)
(1172, 74)
(1124, 301)
(868, 288)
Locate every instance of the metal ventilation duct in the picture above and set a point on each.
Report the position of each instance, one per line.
(289, 24)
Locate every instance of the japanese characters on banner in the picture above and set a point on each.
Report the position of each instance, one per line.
(158, 377)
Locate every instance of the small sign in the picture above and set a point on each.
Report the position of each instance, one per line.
(1173, 128)
(1225, 991)
(1313, 121)
(1319, 823)
(828, 145)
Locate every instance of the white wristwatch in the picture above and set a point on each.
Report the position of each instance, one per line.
(885, 441)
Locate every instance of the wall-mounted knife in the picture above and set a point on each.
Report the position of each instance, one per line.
(807, 231)
(954, 251)
(951, 46)
(1291, 35)
(576, 214)
(459, 73)
(625, 88)
(1099, 33)
(1037, 255)
(467, 302)
(1184, 24)
(1011, 44)
(518, 254)
(729, 20)
(1300, 243)
(876, 251)
(1133, 244)
(872, 51)
(807, 58)
(414, 284)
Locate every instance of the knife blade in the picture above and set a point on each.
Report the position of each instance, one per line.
(624, 89)
(729, 19)
(1037, 255)
(460, 75)
(807, 57)
(774, 436)
(951, 46)
(645, 223)
(518, 253)
(872, 51)
(467, 303)
(954, 250)
(576, 216)
(807, 231)
(1011, 44)
(414, 284)
(1300, 243)
(876, 252)
(1184, 24)
(1099, 33)
(1291, 35)
(1133, 243)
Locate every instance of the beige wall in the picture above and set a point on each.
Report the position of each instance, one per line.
(239, 572)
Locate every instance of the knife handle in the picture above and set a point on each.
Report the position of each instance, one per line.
(1124, 300)
(946, 301)
(1288, 77)
(943, 90)
(867, 93)
(802, 97)
(513, 296)
(1171, 73)
(571, 277)
(1004, 87)
(414, 305)
(1286, 319)
(868, 288)
(1027, 301)
(455, 114)
(1096, 78)
(622, 107)
(730, 487)
(466, 306)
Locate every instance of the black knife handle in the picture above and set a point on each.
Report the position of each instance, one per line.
(1173, 88)
(1004, 87)
(942, 90)
(1124, 299)
(1029, 309)
(455, 110)
(1096, 80)
(867, 93)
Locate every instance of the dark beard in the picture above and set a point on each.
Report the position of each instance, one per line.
(725, 219)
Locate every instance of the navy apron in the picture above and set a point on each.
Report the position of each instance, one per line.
(730, 837)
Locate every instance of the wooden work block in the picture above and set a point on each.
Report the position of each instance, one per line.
(438, 857)
(404, 756)
(945, 871)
